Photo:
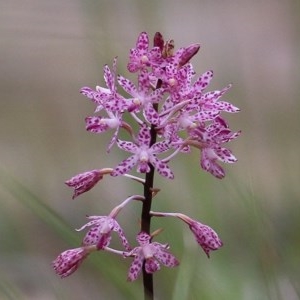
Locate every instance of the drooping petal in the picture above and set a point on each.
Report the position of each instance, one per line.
(136, 266)
(151, 265)
(165, 257)
(143, 167)
(225, 155)
(117, 228)
(161, 167)
(209, 164)
(113, 139)
(125, 166)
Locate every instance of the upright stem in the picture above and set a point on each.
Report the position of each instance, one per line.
(146, 217)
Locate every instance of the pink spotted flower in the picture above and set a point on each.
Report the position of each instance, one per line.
(210, 101)
(152, 253)
(143, 155)
(99, 124)
(106, 97)
(100, 231)
(141, 57)
(143, 96)
(210, 140)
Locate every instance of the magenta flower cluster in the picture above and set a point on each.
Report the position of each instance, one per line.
(173, 113)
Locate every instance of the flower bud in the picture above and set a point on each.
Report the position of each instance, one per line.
(69, 261)
(84, 182)
(206, 237)
(188, 53)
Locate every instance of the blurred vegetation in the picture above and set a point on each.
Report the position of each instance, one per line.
(50, 49)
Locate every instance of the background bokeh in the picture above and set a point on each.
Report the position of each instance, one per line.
(50, 49)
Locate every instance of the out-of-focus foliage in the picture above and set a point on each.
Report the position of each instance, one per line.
(50, 49)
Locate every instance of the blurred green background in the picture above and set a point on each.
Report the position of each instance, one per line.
(50, 49)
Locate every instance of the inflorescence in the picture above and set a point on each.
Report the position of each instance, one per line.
(170, 103)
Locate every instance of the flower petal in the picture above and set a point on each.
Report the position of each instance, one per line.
(151, 265)
(161, 167)
(144, 135)
(135, 267)
(127, 85)
(165, 257)
(125, 166)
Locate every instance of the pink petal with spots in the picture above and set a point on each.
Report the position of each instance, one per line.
(125, 166)
(161, 167)
(166, 258)
(213, 168)
(127, 85)
(155, 56)
(143, 238)
(144, 135)
(225, 155)
(143, 167)
(206, 115)
(127, 146)
(228, 107)
(136, 266)
(93, 124)
(157, 95)
(117, 228)
(109, 78)
(95, 220)
(143, 82)
(151, 115)
(203, 81)
(151, 265)
(143, 41)
(113, 140)
(160, 147)
(210, 165)
(93, 236)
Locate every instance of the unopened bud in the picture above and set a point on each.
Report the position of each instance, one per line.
(158, 41)
(188, 54)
